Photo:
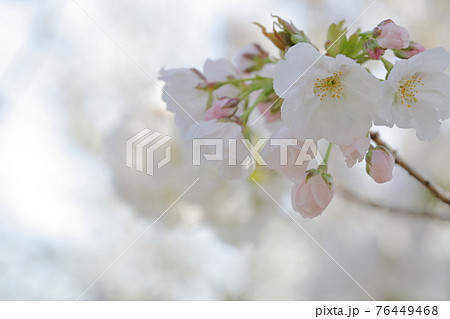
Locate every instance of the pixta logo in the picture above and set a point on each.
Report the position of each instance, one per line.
(141, 148)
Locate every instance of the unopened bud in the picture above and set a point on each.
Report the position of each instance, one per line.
(379, 164)
(374, 51)
(390, 35)
(224, 108)
(313, 194)
(413, 49)
(286, 36)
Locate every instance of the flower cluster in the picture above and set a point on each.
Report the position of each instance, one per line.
(306, 95)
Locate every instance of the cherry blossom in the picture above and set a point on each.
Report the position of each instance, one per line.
(305, 96)
(332, 98)
(417, 94)
(186, 90)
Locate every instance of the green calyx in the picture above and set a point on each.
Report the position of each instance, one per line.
(284, 34)
(322, 171)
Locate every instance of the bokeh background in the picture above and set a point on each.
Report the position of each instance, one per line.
(70, 98)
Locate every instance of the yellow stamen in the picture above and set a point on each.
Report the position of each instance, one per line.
(329, 86)
(408, 90)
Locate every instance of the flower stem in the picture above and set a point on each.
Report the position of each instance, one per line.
(244, 94)
(262, 97)
(327, 154)
(235, 81)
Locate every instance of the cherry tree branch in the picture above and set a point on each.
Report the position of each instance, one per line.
(351, 196)
(437, 191)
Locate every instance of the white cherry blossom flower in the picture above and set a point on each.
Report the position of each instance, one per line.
(183, 96)
(417, 94)
(185, 86)
(325, 97)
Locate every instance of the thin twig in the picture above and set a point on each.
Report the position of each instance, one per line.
(349, 195)
(437, 191)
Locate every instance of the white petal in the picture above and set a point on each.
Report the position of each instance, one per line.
(427, 121)
(436, 90)
(181, 96)
(219, 70)
(383, 113)
(422, 116)
(344, 60)
(357, 80)
(290, 72)
(272, 156)
(432, 60)
(297, 114)
(312, 118)
(339, 124)
(183, 78)
(223, 131)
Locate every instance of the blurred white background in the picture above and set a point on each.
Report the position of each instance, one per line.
(70, 98)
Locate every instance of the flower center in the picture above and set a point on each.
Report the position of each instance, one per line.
(408, 90)
(330, 86)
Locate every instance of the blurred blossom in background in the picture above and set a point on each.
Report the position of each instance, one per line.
(69, 100)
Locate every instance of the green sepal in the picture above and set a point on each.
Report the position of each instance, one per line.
(310, 173)
(369, 159)
(334, 33)
(338, 43)
(328, 179)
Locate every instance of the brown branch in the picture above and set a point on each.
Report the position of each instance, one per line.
(349, 195)
(437, 191)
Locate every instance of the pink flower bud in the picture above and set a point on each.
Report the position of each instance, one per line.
(376, 53)
(222, 109)
(355, 152)
(379, 164)
(373, 49)
(413, 49)
(313, 194)
(391, 36)
(269, 116)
